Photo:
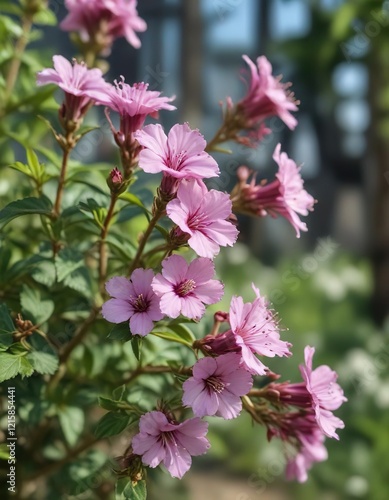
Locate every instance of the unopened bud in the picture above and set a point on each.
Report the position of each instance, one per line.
(115, 181)
(221, 316)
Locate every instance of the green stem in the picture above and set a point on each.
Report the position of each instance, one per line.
(103, 255)
(68, 349)
(62, 179)
(220, 137)
(249, 407)
(153, 222)
(17, 58)
(89, 58)
(141, 370)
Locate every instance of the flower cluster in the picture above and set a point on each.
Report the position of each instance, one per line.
(100, 22)
(163, 287)
(314, 399)
(266, 97)
(284, 196)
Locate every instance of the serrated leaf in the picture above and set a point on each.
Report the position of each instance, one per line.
(72, 420)
(32, 304)
(26, 206)
(6, 328)
(130, 490)
(120, 331)
(43, 362)
(45, 272)
(67, 261)
(80, 281)
(112, 424)
(12, 365)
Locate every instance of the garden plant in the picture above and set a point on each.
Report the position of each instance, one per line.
(108, 270)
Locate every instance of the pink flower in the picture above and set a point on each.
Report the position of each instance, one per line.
(327, 395)
(202, 215)
(185, 288)
(256, 332)
(134, 103)
(82, 86)
(109, 18)
(133, 300)
(179, 155)
(285, 196)
(309, 448)
(216, 386)
(266, 96)
(172, 444)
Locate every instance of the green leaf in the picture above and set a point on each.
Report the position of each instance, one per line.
(44, 272)
(33, 162)
(5, 257)
(67, 261)
(51, 128)
(133, 200)
(6, 328)
(136, 344)
(183, 331)
(43, 362)
(113, 423)
(85, 130)
(72, 420)
(172, 336)
(119, 392)
(8, 8)
(79, 280)
(121, 331)
(25, 206)
(12, 365)
(114, 405)
(45, 17)
(128, 489)
(4, 451)
(11, 27)
(31, 301)
(342, 21)
(163, 231)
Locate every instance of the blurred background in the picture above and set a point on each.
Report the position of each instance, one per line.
(331, 286)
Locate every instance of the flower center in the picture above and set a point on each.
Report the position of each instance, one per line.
(140, 304)
(176, 159)
(215, 384)
(185, 288)
(197, 221)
